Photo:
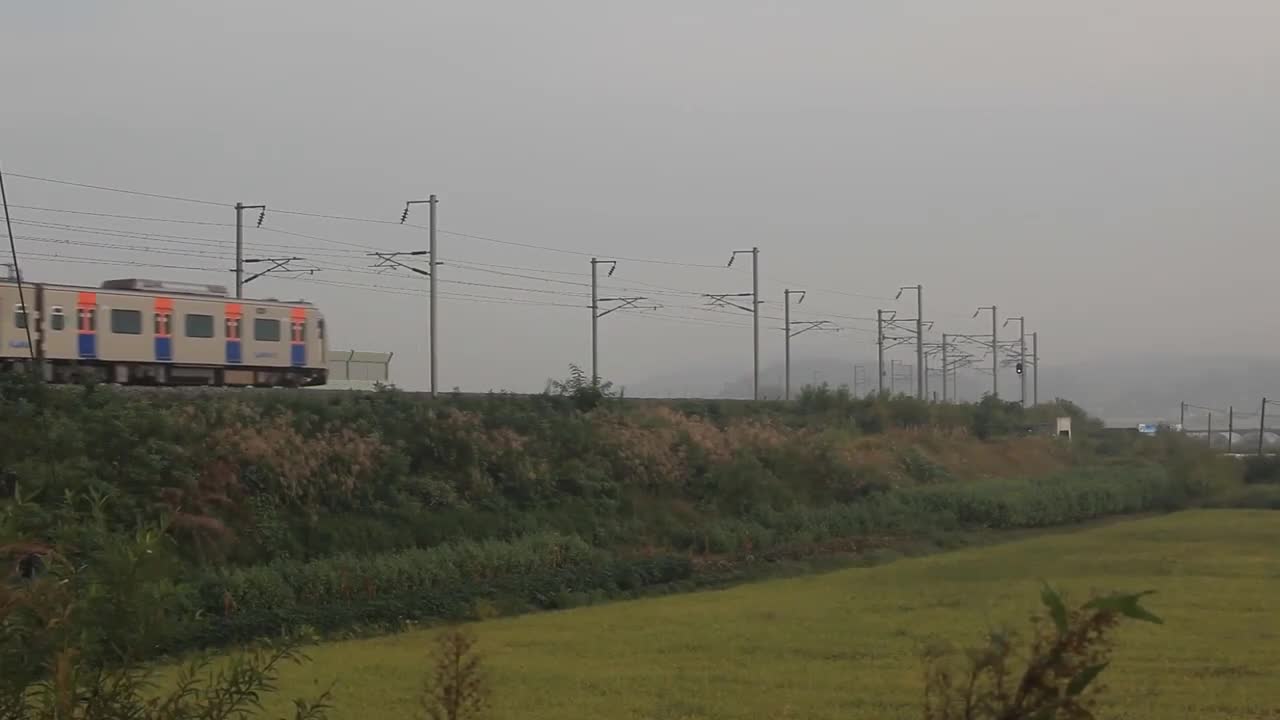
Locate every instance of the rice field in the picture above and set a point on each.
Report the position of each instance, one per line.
(846, 644)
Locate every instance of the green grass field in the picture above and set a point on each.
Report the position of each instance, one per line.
(845, 644)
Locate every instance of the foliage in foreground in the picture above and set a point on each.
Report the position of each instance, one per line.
(457, 688)
(71, 645)
(1054, 677)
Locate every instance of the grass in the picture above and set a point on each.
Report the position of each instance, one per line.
(845, 644)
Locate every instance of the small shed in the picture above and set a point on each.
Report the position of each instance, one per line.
(1064, 427)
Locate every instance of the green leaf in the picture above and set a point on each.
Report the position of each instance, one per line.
(1086, 676)
(1057, 608)
(1129, 606)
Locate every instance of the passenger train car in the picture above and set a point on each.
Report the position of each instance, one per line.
(160, 333)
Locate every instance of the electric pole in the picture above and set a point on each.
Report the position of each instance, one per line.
(921, 380)
(1022, 356)
(720, 300)
(786, 321)
(880, 350)
(944, 367)
(595, 318)
(240, 208)
(433, 259)
(1231, 425)
(1182, 417)
(806, 326)
(623, 304)
(1262, 424)
(1035, 363)
(995, 350)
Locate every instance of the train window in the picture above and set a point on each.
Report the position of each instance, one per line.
(57, 319)
(20, 317)
(162, 324)
(126, 322)
(299, 331)
(199, 326)
(320, 327)
(266, 330)
(89, 320)
(233, 328)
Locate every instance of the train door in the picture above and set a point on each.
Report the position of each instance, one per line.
(298, 337)
(164, 329)
(87, 318)
(234, 320)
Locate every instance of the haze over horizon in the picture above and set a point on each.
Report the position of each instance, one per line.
(1107, 169)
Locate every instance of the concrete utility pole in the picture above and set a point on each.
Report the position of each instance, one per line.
(755, 314)
(1262, 424)
(1231, 425)
(623, 304)
(433, 258)
(921, 380)
(944, 367)
(435, 303)
(240, 208)
(1022, 355)
(595, 317)
(880, 350)
(786, 320)
(995, 350)
(926, 377)
(805, 326)
(1182, 418)
(1035, 363)
(723, 300)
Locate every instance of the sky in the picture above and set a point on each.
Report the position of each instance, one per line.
(1108, 169)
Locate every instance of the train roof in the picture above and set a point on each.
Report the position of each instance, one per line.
(153, 287)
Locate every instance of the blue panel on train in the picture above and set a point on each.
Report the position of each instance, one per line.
(88, 346)
(164, 349)
(299, 355)
(233, 352)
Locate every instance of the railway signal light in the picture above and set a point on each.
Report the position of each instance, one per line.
(1018, 368)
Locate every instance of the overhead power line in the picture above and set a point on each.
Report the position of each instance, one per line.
(145, 218)
(124, 191)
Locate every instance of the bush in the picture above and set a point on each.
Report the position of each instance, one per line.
(448, 582)
(1054, 676)
(1260, 469)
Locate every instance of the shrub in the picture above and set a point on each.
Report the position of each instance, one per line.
(1054, 676)
(1259, 469)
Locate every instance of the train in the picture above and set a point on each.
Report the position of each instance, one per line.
(152, 332)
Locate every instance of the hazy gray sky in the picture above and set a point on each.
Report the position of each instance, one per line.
(1110, 169)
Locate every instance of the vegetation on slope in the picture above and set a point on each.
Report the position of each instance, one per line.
(288, 511)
